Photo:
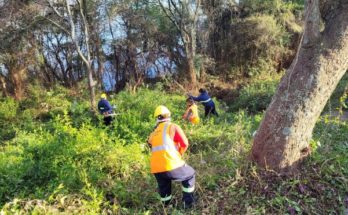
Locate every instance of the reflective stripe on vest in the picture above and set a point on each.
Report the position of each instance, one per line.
(206, 101)
(167, 198)
(166, 146)
(165, 156)
(188, 189)
(163, 147)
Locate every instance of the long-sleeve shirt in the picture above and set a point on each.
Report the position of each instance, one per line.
(179, 137)
(104, 106)
(204, 98)
(168, 143)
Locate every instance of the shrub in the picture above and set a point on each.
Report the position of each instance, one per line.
(8, 117)
(77, 166)
(255, 97)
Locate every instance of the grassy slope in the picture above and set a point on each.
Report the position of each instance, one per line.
(55, 157)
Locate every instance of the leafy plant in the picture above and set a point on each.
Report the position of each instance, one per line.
(71, 163)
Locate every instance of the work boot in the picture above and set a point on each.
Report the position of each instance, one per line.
(167, 203)
(187, 205)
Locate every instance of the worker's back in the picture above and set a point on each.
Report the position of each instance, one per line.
(165, 155)
(104, 106)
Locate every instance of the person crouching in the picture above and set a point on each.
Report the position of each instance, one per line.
(168, 143)
(191, 113)
(105, 109)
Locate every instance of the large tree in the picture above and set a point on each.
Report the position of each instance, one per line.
(184, 15)
(282, 139)
(17, 46)
(72, 18)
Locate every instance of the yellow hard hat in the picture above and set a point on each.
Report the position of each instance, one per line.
(103, 96)
(162, 110)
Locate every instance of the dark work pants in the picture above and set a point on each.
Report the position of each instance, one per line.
(210, 109)
(107, 120)
(185, 175)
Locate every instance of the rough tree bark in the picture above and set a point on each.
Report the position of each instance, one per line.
(191, 70)
(282, 140)
(3, 86)
(17, 77)
(100, 70)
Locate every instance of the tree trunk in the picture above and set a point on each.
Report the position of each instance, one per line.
(191, 71)
(117, 71)
(3, 86)
(91, 87)
(202, 73)
(17, 78)
(184, 15)
(282, 140)
(86, 59)
(100, 63)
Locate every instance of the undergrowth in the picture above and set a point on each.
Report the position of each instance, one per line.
(56, 157)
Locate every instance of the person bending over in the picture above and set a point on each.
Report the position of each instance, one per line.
(106, 109)
(208, 103)
(168, 143)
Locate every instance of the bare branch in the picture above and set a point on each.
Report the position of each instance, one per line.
(59, 26)
(169, 16)
(54, 9)
(73, 34)
(198, 4)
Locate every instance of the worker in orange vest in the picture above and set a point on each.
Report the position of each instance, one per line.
(168, 143)
(191, 113)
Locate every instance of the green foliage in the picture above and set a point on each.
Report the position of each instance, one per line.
(260, 42)
(268, 6)
(8, 113)
(273, 6)
(70, 163)
(256, 96)
(338, 99)
(262, 39)
(8, 109)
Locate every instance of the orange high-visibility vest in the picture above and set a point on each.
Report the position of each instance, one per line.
(194, 118)
(165, 155)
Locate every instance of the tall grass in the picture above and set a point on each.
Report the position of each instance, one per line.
(55, 157)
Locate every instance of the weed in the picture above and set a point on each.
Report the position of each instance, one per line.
(70, 163)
